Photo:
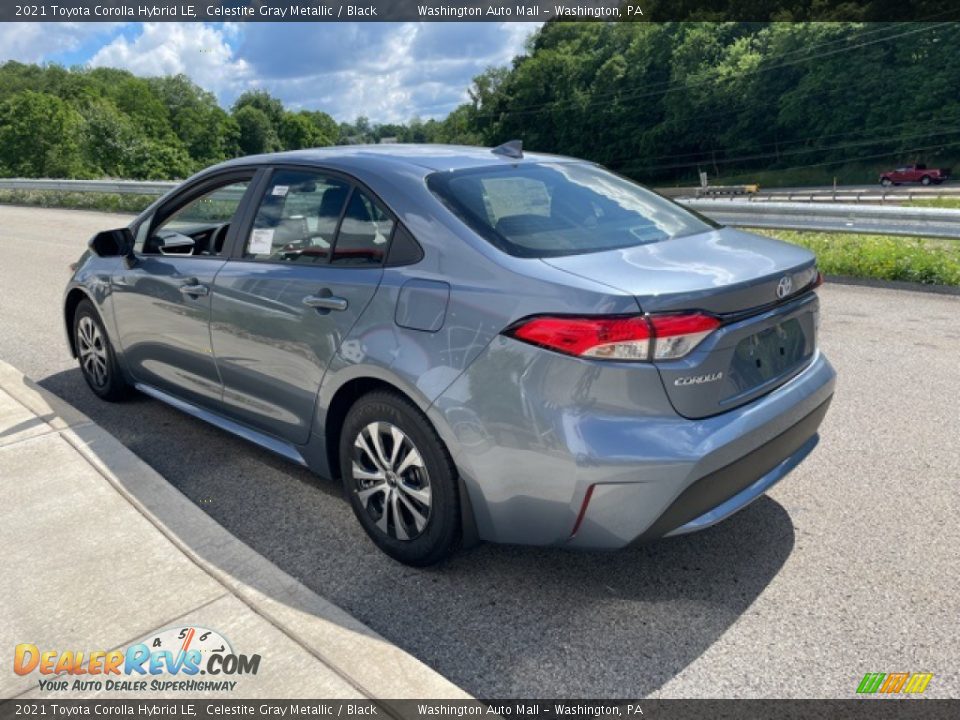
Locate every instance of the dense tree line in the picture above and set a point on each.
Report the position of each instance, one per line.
(100, 122)
(661, 100)
(657, 101)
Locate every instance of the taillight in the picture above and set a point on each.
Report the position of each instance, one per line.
(677, 335)
(618, 338)
(643, 338)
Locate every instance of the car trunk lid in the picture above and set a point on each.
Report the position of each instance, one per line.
(759, 288)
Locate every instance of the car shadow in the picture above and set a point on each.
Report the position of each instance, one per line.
(499, 621)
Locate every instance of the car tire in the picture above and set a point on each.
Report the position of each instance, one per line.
(98, 362)
(406, 499)
(886, 182)
(925, 180)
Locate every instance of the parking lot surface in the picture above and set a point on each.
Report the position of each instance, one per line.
(850, 565)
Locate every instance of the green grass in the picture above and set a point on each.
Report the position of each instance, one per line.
(939, 202)
(920, 260)
(106, 202)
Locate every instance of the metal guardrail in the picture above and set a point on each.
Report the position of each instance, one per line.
(773, 214)
(122, 187)
(841, 194)
(834, 217)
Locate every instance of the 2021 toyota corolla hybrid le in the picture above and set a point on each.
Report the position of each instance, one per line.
(483, 345)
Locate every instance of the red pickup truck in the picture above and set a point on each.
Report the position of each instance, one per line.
(914, 174)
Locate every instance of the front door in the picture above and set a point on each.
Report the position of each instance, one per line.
(293, 289)
(162, 302)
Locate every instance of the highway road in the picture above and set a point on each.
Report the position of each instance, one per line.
(851, 565)
(868, 193)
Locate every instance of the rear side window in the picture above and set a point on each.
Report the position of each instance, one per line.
(548, 210)
(298, 217)
(364, 233)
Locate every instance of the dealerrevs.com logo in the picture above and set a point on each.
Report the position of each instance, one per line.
(170, 661)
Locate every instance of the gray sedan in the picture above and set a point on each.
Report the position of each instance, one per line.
(482, 344)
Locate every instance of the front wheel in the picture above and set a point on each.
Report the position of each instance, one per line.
(925, 180)
(98, 363)
(400, 479)
(886, 182)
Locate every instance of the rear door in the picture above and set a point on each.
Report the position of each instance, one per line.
(307, 263)
(162, 301)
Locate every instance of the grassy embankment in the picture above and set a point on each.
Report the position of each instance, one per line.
(104, 202)
(883, 257)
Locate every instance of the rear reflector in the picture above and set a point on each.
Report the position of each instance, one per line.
(583, 510)
(637, 337)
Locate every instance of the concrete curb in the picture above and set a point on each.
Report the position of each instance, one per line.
(375, 667)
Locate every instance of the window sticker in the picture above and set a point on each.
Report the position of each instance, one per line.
(280, 190)
(261, 241)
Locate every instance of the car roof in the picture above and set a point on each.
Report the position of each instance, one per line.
(425, 158)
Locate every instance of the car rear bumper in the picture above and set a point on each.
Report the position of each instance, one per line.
(590, 475)
(723, 492)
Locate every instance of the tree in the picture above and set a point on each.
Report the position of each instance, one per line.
(206, 131)
(257, 133)
(305, 129)
(109, 139)
(263, 101)
(356, 133)
(40, 136)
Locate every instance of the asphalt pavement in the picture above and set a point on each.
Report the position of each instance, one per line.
(850, 565)
(84, 517)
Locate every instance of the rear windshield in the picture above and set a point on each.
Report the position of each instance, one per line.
(547, 210)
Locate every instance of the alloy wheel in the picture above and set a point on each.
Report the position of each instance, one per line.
(391, 480)
(93, 351)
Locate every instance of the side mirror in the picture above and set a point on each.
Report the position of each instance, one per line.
(111, 243)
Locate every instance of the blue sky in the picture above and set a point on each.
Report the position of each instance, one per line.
(389, 72)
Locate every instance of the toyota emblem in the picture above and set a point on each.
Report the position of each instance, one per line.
(784, 287)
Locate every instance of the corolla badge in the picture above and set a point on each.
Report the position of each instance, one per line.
(784, 287)
(698, 379)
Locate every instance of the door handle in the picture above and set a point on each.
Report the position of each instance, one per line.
(325, 300)
(194, 289)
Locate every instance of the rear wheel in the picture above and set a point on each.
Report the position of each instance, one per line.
(98, 363)
(400, 479)
(925, 180)
(886, 182)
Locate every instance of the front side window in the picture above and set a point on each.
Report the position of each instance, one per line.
(198, 227)
(298, 218)
(553, 209)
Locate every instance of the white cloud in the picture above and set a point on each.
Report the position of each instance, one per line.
(198, 50)
(389, 72)
(32, 42)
